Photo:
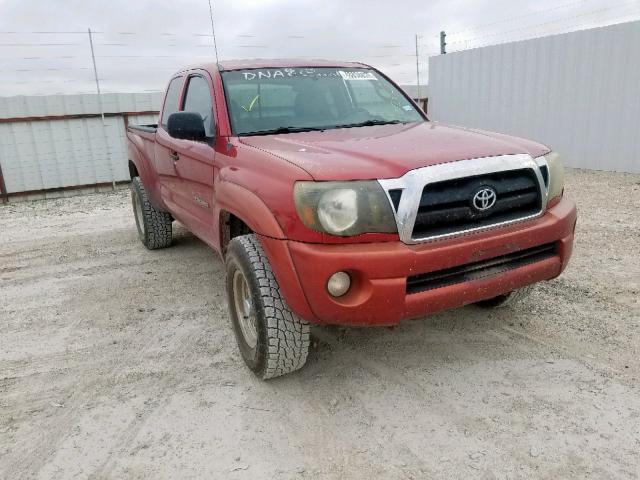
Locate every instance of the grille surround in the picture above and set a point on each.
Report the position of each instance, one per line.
(414, 182)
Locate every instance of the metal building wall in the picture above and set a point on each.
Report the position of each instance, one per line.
(578, 92)
(60, 141)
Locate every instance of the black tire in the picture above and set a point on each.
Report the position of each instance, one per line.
(507, 299)
(154, 226)
(278, 341)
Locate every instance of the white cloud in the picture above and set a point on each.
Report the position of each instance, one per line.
(138, 43)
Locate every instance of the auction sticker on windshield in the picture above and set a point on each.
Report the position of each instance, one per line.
(360, 75)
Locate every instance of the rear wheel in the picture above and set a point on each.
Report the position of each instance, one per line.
(506, 299)
(154, 226)
(272, 340)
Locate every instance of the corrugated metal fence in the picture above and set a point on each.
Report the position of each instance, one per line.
(49, 143)
(577, 92)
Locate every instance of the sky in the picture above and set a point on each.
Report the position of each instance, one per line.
(45, 49)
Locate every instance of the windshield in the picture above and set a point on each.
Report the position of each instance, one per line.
(283, 100)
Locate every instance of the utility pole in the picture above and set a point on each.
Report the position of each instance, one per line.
(418, 69)
(443, 43)
(104, 125)
(95, 74)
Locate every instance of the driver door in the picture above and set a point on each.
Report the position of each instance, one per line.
(194, 161)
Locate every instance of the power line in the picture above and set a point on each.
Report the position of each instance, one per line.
(556, 31)
(15, 32)
(152, 56)
(38, 44)
(546, 23)
(24, 82)
(58, 57)
(62, 32)
(184, 45)
(518, 17)
(4, 70)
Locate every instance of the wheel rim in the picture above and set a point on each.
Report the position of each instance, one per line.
(137, 210)
(245, 311)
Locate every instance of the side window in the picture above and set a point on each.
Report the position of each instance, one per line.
(198, 100)
(171, 100)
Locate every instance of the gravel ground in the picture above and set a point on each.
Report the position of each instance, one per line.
(117, 362)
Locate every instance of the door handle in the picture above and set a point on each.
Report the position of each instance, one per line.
(174, 156)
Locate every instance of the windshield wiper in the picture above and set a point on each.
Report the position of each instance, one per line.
(279, 130)
(369, 123)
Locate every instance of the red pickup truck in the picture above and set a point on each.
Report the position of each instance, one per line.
(333, 200)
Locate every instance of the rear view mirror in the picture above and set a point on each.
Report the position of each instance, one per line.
(186, 126)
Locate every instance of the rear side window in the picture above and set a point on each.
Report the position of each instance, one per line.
(198, 100)
(171, 101)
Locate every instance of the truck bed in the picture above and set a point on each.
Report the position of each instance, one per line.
(142, 138)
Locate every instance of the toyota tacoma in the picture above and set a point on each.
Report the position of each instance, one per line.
(333, 200)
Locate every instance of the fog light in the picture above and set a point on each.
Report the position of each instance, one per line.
(339, 284)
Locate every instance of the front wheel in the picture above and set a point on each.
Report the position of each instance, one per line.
(273, 340)
(506, 299)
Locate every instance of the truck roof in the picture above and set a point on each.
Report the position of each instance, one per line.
(273, 63)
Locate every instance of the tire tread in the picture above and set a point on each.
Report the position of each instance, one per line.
(158, 224)
(287, 334)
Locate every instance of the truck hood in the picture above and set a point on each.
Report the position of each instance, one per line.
(386, 151)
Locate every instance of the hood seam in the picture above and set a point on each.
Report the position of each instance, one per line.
(279, 157)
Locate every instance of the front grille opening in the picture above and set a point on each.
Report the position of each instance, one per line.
(482, 269)
(544, 171)
(395, 195)
(446, 207)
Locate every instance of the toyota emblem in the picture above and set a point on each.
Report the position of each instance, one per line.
(484, 199)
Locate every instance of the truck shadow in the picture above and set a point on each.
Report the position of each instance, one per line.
(182, 237)
(454, 335)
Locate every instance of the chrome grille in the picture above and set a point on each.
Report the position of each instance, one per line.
(447, 206)
(435, 202)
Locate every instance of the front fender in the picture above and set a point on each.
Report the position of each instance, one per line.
(248, 207)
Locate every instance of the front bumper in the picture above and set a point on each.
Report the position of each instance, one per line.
(379, 271)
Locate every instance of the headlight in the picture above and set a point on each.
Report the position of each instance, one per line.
(338, 209)
(344, 208)
(556, 175)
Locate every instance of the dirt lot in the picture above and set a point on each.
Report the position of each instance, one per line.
(117, 362)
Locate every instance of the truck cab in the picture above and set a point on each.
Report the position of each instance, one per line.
(334, 200)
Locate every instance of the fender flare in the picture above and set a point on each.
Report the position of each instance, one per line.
(147, 174)
(248, 207)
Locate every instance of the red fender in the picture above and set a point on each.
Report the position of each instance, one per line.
(248, 207)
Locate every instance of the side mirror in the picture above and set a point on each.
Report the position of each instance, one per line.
(186, 125)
